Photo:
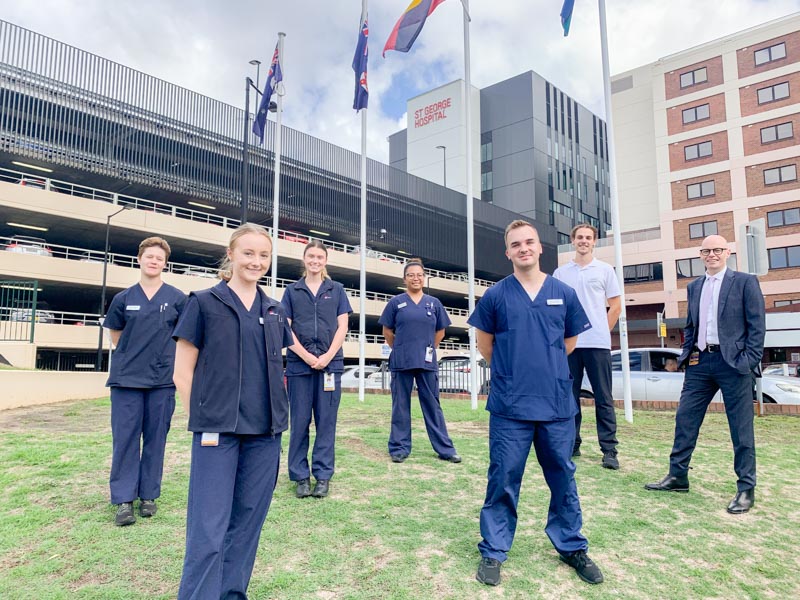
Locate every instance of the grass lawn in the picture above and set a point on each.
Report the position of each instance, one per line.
(395, 531)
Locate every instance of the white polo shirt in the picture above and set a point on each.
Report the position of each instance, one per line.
(594, 283)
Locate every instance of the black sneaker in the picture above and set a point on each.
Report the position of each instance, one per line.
(488, 571)
(124, 515)
(147, 508)
(398, 458)
(576, 451)
(454, 458)
(610, 460)
(320, 489)
(584, 566)
(303, 488)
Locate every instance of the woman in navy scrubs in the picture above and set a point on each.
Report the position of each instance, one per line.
(140, 321)
(413, 325)
(229, 374)
(317, 309)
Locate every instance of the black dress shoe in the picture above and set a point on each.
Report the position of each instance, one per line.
(320, 489)
(742, 502)
(453, 458)
(398, 458)
(670, 483)
(303, 488)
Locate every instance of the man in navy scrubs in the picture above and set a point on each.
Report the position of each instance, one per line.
(527, 324)
(140, 321)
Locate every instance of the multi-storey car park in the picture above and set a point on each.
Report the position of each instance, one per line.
(82, 137)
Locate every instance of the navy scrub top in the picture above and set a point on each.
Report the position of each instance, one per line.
(145, 355)
(530, 372)
(314, 322)
(415, 326)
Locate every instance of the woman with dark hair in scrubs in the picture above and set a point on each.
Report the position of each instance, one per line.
(317, 309)
(140, 321)
(229, 374)
(413, 325)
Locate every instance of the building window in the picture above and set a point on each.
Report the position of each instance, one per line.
(563, 238)
(765, 55)
(590, 219)
(696, 113)
(642, 273)
(701, 230)
(779, 303)
(780, 175)
(700, 190)
(694, 77)
(562, 209)
(779, 218)
(486, 181)
(775, 133)
(784, 258)
(486, 151)
(779, 91)
(694, 267)
(696, 151)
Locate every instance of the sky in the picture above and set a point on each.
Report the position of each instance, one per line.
(206, 45)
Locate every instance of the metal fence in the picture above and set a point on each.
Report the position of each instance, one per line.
(19, 310)
(454, 376)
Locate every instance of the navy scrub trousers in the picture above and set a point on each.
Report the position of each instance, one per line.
(428, 392)
(139, 415)
(510, 443)
(229, 496)
(307, 394)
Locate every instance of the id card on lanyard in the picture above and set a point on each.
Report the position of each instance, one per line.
(329, 382)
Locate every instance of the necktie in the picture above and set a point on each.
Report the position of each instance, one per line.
(706, 298)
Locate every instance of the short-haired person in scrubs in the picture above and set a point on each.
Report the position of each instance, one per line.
(318, 309)
(229, 374)
(527, 324)
(140, 321)
(413, 325)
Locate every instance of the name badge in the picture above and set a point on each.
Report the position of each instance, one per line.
(555, 301)
(329, 382)
(402, 305)
(209, 439)
(133, 307)
(429, 354)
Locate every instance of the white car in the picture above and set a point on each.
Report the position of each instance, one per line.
(350, 375)
(454, 375)
(199, 272)
(651, 381)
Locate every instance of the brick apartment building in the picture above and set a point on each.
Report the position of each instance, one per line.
(707, 140)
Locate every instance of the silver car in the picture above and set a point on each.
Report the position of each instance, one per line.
(650, 379)
(350, 375)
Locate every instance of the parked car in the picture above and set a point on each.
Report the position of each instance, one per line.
(293, 236)
(350, 375)
(777, 369)
(650, 379)
(24, 315)
(40, 184)
(199, 272)
(25, 244)
(454, 375)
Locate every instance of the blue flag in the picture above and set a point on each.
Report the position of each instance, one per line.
(360, 68)
(566, 15)
(274, 77)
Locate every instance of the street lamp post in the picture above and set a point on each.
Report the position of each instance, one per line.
(99, 363)
(257, 64)
(444, 162)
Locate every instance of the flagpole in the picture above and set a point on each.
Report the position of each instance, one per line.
(615, 218)
(362, 285)
(473, 358)
(276, 188)
(246, 151)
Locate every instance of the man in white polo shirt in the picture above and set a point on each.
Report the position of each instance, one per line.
(596, 283)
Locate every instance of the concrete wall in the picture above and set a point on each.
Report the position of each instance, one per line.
(19, 354)
(28, 388)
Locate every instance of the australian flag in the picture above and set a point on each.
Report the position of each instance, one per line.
(360, 68)
(566, 15)
(274, 77)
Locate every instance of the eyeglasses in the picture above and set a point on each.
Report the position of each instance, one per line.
(716, 251)
(415, 276)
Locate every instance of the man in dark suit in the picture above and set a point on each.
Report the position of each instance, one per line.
(722, 348)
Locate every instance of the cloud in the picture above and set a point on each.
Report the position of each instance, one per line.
(206, 45)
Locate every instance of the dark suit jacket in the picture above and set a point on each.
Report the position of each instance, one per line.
(740, 320)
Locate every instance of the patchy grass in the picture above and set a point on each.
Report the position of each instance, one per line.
(396, 531)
